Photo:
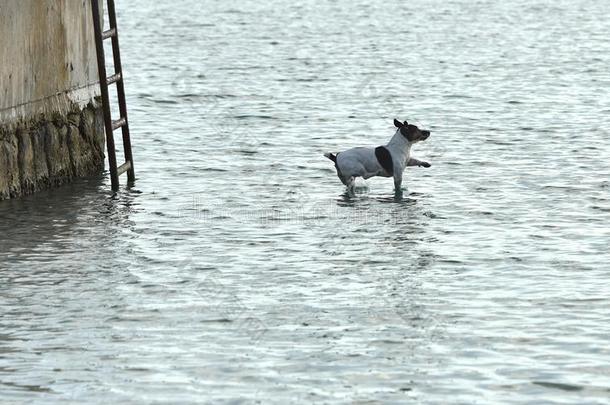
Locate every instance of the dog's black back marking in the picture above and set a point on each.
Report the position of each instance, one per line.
(385, 159)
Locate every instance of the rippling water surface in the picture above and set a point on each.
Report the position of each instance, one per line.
(237, 268)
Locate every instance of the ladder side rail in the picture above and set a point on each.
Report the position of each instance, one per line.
(101, 67)
(118, 69)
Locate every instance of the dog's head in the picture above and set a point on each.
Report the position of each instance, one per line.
(411, 132)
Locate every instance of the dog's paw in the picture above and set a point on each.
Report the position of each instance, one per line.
(425, 164)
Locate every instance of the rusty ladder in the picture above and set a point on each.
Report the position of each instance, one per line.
(109, 124)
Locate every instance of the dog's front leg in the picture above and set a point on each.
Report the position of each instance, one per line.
(415, 162)
(398, 183)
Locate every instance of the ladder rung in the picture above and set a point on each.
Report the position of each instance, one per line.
(109, 33)
(123, 168)
(113, 79)
(118, 123)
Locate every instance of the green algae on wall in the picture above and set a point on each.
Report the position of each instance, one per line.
(51, 151)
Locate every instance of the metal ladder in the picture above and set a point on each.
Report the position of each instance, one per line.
(109, 124)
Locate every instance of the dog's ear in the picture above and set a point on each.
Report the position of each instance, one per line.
(406, 123)
(397, 123)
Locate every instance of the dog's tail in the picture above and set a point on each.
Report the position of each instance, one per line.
(331, 157)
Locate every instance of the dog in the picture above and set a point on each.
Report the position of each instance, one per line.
(385, 161)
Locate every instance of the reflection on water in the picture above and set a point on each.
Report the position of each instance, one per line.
(238, 268)
(70, 220)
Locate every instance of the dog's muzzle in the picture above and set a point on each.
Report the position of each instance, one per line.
(425, 135)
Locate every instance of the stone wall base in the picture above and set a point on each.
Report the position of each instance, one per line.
(51, 150)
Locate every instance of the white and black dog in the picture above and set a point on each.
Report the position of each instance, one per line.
(386, 161)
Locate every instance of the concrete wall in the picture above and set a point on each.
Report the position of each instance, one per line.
(51, 128)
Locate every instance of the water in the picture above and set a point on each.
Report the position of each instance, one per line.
(237, 270)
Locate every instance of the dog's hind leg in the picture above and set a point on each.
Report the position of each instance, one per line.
(350, 182)
(351, 186)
